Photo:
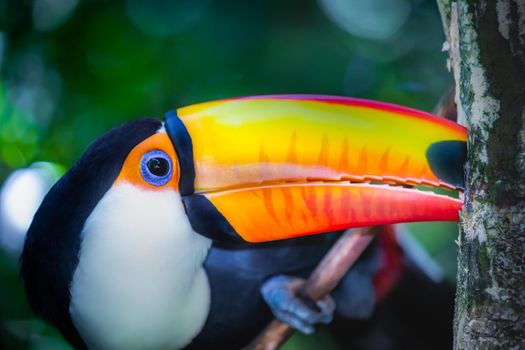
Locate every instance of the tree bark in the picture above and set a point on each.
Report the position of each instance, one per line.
(486, 44)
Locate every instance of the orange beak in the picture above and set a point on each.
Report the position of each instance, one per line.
(275, 167)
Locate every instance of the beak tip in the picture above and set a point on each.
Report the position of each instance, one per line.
(446, 160)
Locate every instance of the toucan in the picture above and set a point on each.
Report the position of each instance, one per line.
(162, 234)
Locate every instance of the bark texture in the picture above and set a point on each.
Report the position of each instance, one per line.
(486, 44)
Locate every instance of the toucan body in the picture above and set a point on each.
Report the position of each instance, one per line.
(136, 246)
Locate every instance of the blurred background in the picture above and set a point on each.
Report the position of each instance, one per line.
(72, 69)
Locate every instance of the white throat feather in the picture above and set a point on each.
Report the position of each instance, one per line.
(139, 283)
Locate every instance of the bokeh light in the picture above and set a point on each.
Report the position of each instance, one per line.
(165, 17)
(49, 14)
(371, 19)
(20, 196)
(34, 88)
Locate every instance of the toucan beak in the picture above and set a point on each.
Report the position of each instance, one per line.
(277, 167)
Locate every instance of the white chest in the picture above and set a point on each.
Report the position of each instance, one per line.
(140, 283)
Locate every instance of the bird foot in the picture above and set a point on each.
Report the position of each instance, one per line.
(299, 311)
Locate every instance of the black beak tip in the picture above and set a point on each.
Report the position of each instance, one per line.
(447, 160)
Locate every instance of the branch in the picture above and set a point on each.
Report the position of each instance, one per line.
(321, 282)
(446, 106)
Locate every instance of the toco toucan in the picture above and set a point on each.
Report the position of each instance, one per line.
(142, 243)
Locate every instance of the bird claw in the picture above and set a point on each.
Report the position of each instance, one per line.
(297, 310)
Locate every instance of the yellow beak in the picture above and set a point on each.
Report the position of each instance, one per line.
(277, 167)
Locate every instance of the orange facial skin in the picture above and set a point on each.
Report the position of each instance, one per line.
(130, 172)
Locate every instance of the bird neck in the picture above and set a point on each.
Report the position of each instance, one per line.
(140, 281)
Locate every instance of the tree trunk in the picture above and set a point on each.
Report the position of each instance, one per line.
(486, 44)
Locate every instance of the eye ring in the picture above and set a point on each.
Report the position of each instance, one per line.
(156, 168)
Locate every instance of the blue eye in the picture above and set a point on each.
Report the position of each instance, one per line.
(156, 168)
